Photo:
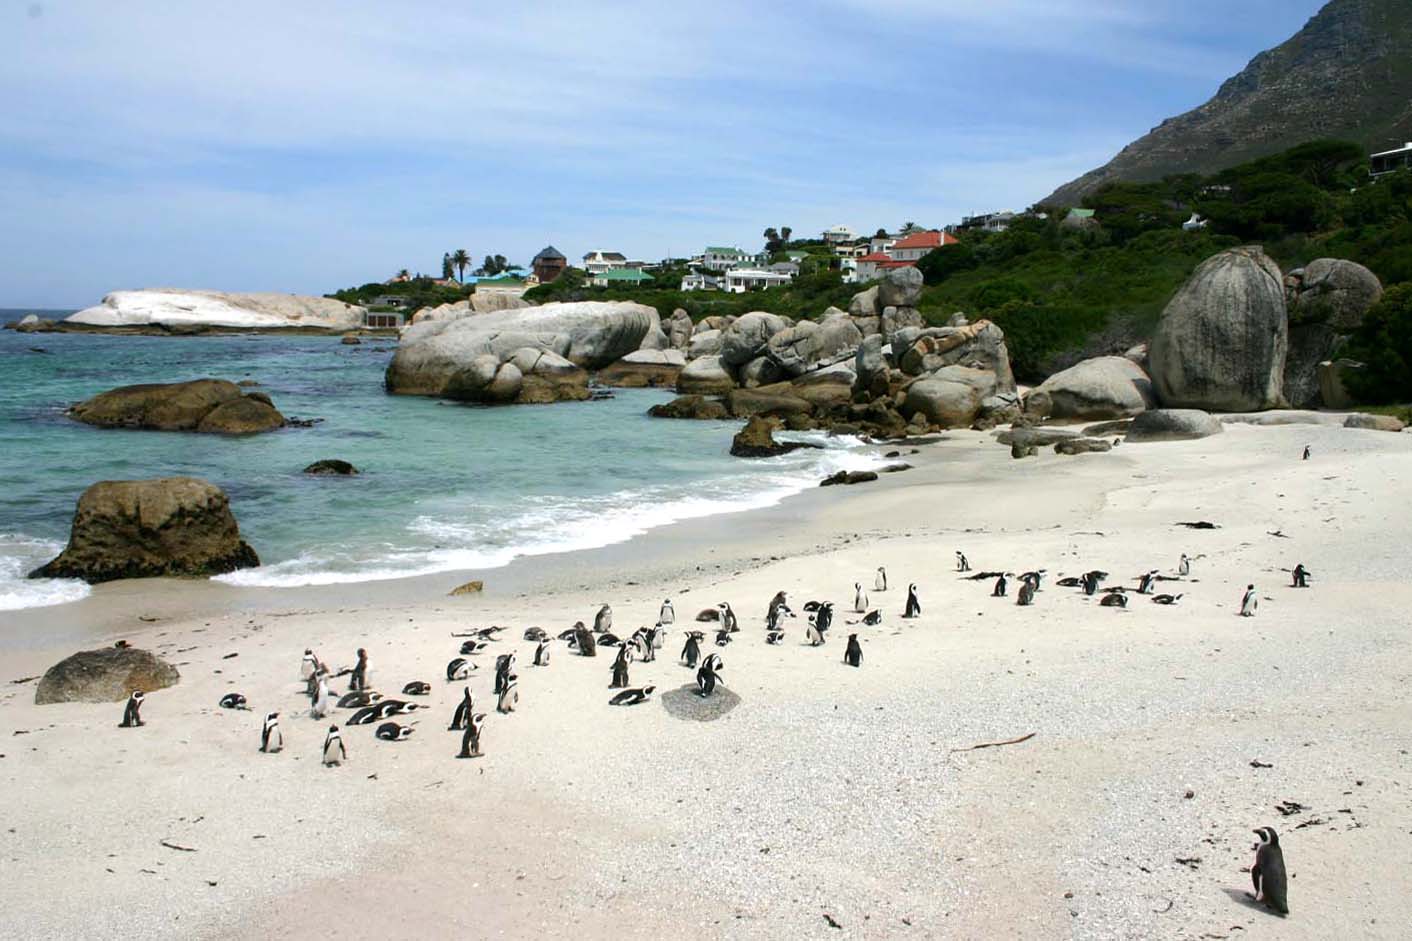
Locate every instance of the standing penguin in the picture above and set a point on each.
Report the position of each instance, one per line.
(1249, 602)
(470, 741)
(132, 712)
(823, 618)
(620, 669)
(653, 636)
(359, 679)
(914, 607)
(1184, 566)
(853, 653)
(691, 652)
(1300, 576)
(1000, 586)
(309, 666)
(880, 579)
(1307, 452)
(509, 695)
(504, 667)
(812, 634)
(667, 615)
(706, 676)
(729, 624)
(1268, 871)
(323, 700)
(1090, 583)
(462, 715)
(1144, 582)
(271, 739)
(334, 752)
(583, 637)
(603, 621)
(1026, 594)
(860, 599)
(541, 654)
(962, 565)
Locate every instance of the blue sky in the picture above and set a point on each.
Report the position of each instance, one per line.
(308, 146)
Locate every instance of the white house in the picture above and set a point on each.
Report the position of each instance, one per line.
(598, 261)
(700, 281)
(1391, 160)
(839, 233)
(724, 258)
(880, 244)
(740, 280)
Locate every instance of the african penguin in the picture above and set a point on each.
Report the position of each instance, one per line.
(706, 676)
(541, 654)
(1300, 576)
(667, 614)
(728, 620)
(535, 634)
(233, 701)
(631, 697)
(416, 688)
(357, 699)
(603, 620)
(1114, 600)
(691, 652)
(583, 639)
(962, 565)
(458, 669)
(271, 739)
(999, 590)
(309, 666)
(323, 700)
(1026, 594)
(853, 653)
(872, 618)
(392, 732)
(359, 678)
(334, 752)
(880, 579)
(813, 634)
(1249, 602)
(470, 741)
(860, 598)
(620, 670)
(462, 715)
(1166, 599)
(1307, 452)
(1144, 582)
(914, 607)
(823, 620)
(774, 637)
(504, 665)
(1268, 872)
(509, 695)
(1184, 566)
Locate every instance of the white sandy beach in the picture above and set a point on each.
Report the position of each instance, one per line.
(826, 791)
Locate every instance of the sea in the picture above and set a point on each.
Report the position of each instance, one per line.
(442, 486)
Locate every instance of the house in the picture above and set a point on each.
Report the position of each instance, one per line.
(1194, 224)
(549, 264)
(880, 243)
(740, 280)
(722, 258)
(599, 261)
(700, 281)
(1390, 161)
(796, 256)
(912, 248)
(631, 277)
(870, 266)
(384, 320)
(784, 267)
(839, 233)
(1080, 220)
(990, 221)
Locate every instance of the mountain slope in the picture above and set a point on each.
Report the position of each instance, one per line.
(1347, 74)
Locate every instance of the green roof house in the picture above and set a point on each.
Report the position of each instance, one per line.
(631, 277)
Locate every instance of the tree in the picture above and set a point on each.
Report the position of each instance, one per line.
(785, 233)
(880, 234)
(446, 267)
(1383, 343)
(404, 274)
(461, 260)
(909, 227)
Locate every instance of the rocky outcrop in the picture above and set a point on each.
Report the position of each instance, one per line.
(747, 337)
(176, 308)
(757, 439)
(450, 358)
(1333, 387)
(173, 526)
(1108, 387)
(690, 406)
(980, 345)
(775, 401)
(33, 323)
(1073, 446)
(760, 371)
(1374, 422)
(899, 287)
(1327, 300)
(808, 344)
(645, 368)
(331, 467)
(849, 478)
(1173, 424)
(105, 675)
(679, 329)
(950, 397)
(865, 303)
(704, 343)
(206, 405)
(1221, 342)
(704, 376)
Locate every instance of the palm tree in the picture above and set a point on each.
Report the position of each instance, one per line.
(460, 260)
(785, 233)
(909, 227)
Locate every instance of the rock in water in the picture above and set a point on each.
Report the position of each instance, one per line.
(1105, 387)
(757, 439)
(181, 406)
(331, 466)
(106, 675)
(1173, 424)
(747, 337)
(1222, 341)
(176, 308)
(704, 376)
(172, 526)
(247, 415)
(690, 406)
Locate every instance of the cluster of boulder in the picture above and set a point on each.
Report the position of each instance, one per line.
(212, 406)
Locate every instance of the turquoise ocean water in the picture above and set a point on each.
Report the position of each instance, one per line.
(444, 486)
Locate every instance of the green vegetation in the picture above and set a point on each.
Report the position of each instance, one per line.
(1384, 345)
(418, 292)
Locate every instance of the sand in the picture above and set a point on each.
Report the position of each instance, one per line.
(1162, 735)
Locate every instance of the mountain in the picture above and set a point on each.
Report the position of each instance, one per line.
(1347, 74)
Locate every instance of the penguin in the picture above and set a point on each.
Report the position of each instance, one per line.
(1145, 581)
(1026, 594)
(1090, 583)
(571, 635)
(416, 688)
(459, 669)
(658, 636)
(653, 643)
(811, 606)
(872, 618)
(509, 695)
(962, 565)
(631, 697)
(395, 707)
(1249, 602)
(464, 708)
(853, 653)
(1166, 599)
(473, 647)
(728, 620)
(620, 670)
(392, 732)
(1071, 582)
(1000, 586)
(778, 601)
(691, 652)
(583, 639)
(603, 620)
(1307, 452)
(813, 635)
(309, 666)
(535, 635)
(880, 579)
(470, 741)
(914, 607)
(357, 699)
(233, 701)
(723, 637)
(608, 639)
(777, 614)
(860, 598)
(1114, 600)
(1184, 566)
(323, 700)
(667, 614)
(823, 620)
(541, 654)
(1300, 577)
(1268, 872)
(365, 716)
(271, 739)
(334, 752)
(359, 678)
(1033, 578)
(774, 637)
(709, 614)
(706, 676)
(504, 670)
(638, 644)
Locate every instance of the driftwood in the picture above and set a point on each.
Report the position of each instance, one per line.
(176, 846)
(1200, 524)
(1008, 741)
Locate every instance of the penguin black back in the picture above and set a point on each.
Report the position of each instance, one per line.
(1268, 872)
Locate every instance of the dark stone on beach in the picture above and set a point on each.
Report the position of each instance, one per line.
(897, 468)
(173, 526)
(1173, 424)
(757, 439)
(1106, 428)
(1082, 446)
(690, 406)
(849, 477)
(1038, 437)
(331, 466)
(1019, 449)
(210, 405)
(106, 675)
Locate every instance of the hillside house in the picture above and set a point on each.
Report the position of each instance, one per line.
(839, 233)
(632, 277)
(701, 281)
(740, 280)
(910, 249)
(599, 261)
(724, 258)
(1390, 161)
(549, 264)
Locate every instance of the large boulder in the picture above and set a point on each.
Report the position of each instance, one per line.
(979, 345)
(180, 406)
(645, 368)
(1374, 422)
(1327, 300)
(174, 526)
(775, 400)
(757, 439)
(951, 397)
(433, 357)
(1221, 343)
(1104, 388)
(690, 406)
(807, 345)
(704, 376)
(1173, 424)
(760, 371)
(871, 367)
(105, 675)
(704, 343)
(865, 303)
(746, 338)
(899, 318)
(900, 287)
(679, 329)
(1333, 382)
(177, 308)
(331, 467)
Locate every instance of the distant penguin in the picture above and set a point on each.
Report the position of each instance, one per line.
(691, 652)
(309, 666)
(860, 598)
(853, 653)
(541, 654)
(535, 634)
(880, 579)
(620, 670)
(728, 619)
(323, 701)
(233, 701)
(813, 635)
(509, 696)
(1033, 579)
(1114, 600)
(1145, 582)
(914, 607)
(723, 637)
(667, 614)
(392, 732)
(1184, 566)
(638, 644)
(1025, 597)
(872, 618)
(1090, 583)
(271, 739)
(1300, 577)
(607, 639)
(359, 678)
(504, 671)
(1249, 602)
(780, 600)
(583, 639)
(1166, 599)
(776, 615)
(358, 699)
(631, 697)
(1268, 872)
(365, 716)
(706, 677)
(416, 688)
(473, 647)
(470, 741)
(653, 636)
(464, 708)
(1307, 452)
(396, 707)
(962, 565)
(823, 619)
(1000, 586)
(459, 669)
(334, 752)
(603, 621)
(774, 637)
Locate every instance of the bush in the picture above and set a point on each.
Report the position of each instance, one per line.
(1383, 343)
